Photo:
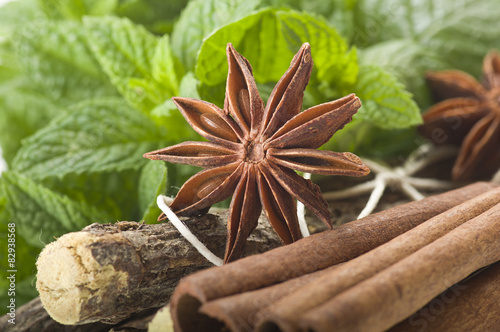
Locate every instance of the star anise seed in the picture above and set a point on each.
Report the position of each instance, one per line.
(253, 151)
(468, 114)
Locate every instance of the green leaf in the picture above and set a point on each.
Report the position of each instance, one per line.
(408, 61)
(42, 214)
(163, 67)
(199, 19)
(366, 139)
(76, 9)
(95, 136)
(257, 37)
(188, 88)
(9, 66)
(58, 62)
(385, 102)
(152, 183)
(169, 116)
(156, 15)
(338, 13)
(26, 256)
(16, 15)
(329, 50)
(461, 32)
(113, 192)
(129, 55)
(17, 103)
(269, 39)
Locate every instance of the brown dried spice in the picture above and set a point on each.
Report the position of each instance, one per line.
(468, 114)
(252, 151)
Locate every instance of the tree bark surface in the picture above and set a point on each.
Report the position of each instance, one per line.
(107, 272)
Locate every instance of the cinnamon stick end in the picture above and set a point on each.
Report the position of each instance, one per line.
(185, 305)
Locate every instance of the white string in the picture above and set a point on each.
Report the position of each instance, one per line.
(411, 191)
(301, 213)
(399, 177)
(359, 189)
(186, 233)
(377, 192)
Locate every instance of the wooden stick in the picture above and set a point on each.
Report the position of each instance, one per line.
(305, 256)
(286, 312)
(396, 292)
(107, 272)
(471, 305)
(33, 317)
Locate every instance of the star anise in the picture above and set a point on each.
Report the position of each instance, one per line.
(253, 151)
(468, 114)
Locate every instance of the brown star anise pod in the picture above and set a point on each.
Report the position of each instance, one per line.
(252, 151)
(468, 114)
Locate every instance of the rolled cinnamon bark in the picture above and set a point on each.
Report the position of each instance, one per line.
(286, 312)
(305, 256)
(241, 312)
(381, 301)
(470, 305)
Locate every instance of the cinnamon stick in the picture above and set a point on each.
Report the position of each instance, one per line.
(471, 305)
(396, 292)
(308, 255)
(286, 312)
(242, 312)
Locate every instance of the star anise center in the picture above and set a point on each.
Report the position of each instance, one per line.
(255, 152)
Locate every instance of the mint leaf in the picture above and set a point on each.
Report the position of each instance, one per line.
(460, 32)
(169, 116)
(199, 19)
(25, 262)
(188, 88)
(163, 67)
(9, 66)
(407, 60)
(17, 103)
(262, 36)
(113, 192)
(257, 37)
(42, 214)
(157, 16)
(76, 9)
(329, 50)
(128, 53)
(338, 13)
(366, 139)
(57, 61)
(95, 136)
(385, 102)
(152, 183)
(14, 16)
